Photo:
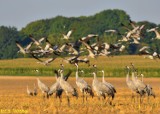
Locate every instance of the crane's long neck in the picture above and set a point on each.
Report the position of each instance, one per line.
(127, 76)
(27, 88)
(38, 80)
(142, 78)
(77, 72)
(62, 67)
(95, 77)
(95, 70)
(133, 77)
(103, 77)
(61, 75)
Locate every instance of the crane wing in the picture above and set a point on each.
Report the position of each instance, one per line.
(69, 33)
(40, 40)
(29, 46)
(67, 75)
(20, 47)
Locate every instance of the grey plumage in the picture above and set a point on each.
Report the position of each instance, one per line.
(100, 88)
(32, 93)
(56, 88)
(84, 87)
(107, 83)
(129, 82)
(140, 86)
(29, 92)
(150, 91)
(43, 88)
(89, 49)
(67, 87)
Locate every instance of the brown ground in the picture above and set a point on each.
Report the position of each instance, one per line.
(13, 98)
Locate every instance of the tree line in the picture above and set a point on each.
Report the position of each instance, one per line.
(53, 29)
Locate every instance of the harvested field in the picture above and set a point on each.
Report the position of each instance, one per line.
(13, 97)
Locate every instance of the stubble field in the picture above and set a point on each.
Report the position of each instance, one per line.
(13, 98)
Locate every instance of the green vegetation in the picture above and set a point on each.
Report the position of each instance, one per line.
(83, 25)
(113, 66)
(8, 35)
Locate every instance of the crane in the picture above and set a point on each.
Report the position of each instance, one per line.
(101, 89)
(67, 88)
(45, 89)
(84, 87)
(107, 83)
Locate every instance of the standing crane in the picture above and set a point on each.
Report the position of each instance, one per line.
(32, 93)
(84, 87)
(29, 92)
(101, 89)
(56, 88)
(149, 89)
(138, 83)
(130, 83)
(67, 88)
(45, 89)
(107, 83)
(141, 86)
(35, 92)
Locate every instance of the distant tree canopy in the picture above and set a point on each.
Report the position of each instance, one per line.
(83, 25)
(8, 35)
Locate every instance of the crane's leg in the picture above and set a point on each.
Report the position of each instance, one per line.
(83, 95)
(44, 96)
(47, 95)
(86, 96)
(148, 99)
(60, 99)
(99, 98)
(68, 100)
(108, 100)
(133, 97)
(103, 99)
(137, 97)
(141, 99)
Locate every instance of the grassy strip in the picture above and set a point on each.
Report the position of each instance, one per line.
(113, 66)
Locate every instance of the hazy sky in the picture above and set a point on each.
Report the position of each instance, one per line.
(19, 13)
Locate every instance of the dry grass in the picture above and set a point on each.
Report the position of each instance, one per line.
(13, 97)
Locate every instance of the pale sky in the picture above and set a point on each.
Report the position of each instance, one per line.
(19, 13)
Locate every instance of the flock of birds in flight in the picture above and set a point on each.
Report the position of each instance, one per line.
(75, 50)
